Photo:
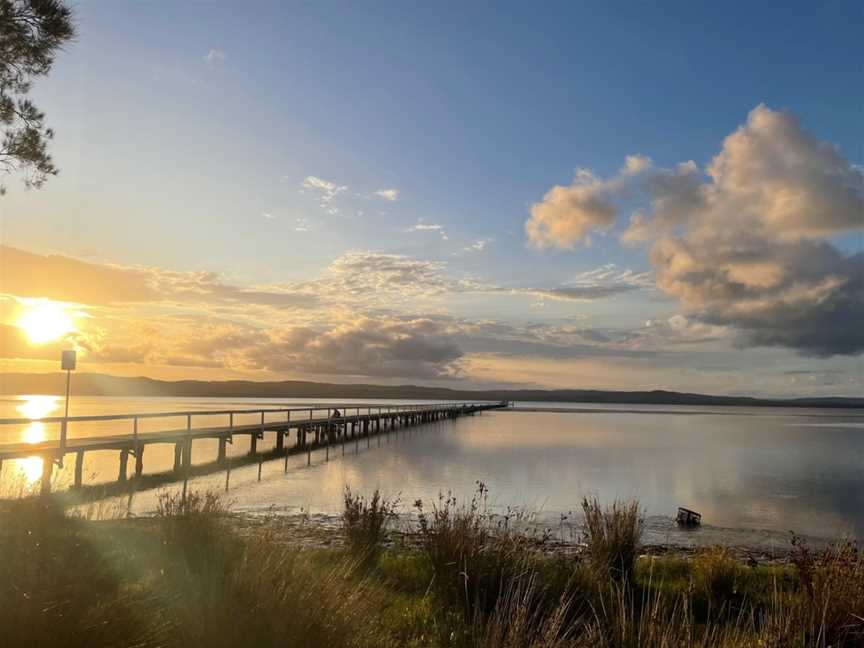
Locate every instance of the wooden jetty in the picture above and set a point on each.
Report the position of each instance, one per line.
(315, 427)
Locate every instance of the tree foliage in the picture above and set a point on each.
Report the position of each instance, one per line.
(31, 33)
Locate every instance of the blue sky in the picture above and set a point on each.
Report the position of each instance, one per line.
(185, 134)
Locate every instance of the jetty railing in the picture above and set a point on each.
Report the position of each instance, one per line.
(319, 420)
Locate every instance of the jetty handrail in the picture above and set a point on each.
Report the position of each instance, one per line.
(282, 410)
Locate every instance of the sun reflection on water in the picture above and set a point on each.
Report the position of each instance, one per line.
(34, 407)
(37, 406)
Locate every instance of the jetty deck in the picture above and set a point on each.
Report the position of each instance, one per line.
(314, 427)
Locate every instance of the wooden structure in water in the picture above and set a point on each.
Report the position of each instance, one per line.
(314, 427)
(688, 518)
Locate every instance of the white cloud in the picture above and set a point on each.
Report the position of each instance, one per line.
(743, 247)
(326, 189)
(478, 246)
(268, 216)
(325, 192)
(567, 215)
(301, 225)
(215, 56)
(390, 195)
(611, 274)
(381, 347)
(420, 226)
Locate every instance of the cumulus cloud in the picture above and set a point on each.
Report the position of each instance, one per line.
(390, 195)
(366, 275)
(745, 244)
(751, 253)
(567, 215)
(416, 348)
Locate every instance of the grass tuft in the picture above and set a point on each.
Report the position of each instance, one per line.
(613, 536)
(364, 523)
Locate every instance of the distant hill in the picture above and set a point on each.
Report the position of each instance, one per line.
(91, 384)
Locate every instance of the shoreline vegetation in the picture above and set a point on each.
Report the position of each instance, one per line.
(92, 384)
(194, 574)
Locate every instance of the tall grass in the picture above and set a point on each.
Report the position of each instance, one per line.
(830, 608)
(364, 523)
(184, 578)
(57, 589)
(613, 536)
(472, 566)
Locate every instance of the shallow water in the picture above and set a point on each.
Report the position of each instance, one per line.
(754, 473)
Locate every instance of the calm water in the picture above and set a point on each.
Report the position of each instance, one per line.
(754, 473)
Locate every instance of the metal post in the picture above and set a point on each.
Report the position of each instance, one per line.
(63, 429)
(188, 453)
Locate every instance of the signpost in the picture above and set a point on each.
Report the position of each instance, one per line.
(67, 364)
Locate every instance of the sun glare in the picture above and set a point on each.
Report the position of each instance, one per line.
(37, 406)
(45, 321)
(30, 468)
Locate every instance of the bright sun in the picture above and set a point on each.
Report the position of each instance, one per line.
(45, 321)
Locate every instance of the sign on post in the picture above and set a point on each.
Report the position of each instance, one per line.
(67, 360)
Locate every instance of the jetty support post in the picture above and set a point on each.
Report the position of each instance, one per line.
(188, 452)
(223, 450)
(79, 468)
(124, 464)
(178, 456)
(137, 449)
(47, 469)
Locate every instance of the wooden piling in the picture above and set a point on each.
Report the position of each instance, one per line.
(47, 469)
(139, 461)
(178, 456)
(124, 463)
(79, 468)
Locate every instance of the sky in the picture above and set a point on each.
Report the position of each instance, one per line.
(589, 195)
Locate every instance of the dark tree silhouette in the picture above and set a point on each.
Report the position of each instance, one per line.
(31, 33)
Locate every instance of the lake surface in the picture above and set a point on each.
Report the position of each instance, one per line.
(754, 473)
